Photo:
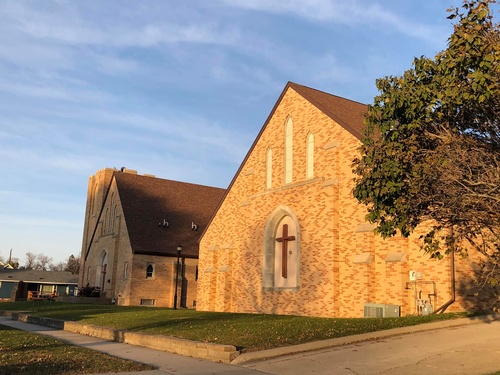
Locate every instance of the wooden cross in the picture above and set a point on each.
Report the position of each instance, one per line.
(284, 249)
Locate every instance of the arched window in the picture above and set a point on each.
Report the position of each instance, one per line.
(102, 270)
(281, 250)
(115, 214)
(150, 271)
(269, 168)
(106, 221)
(310, 156)
(288, 151)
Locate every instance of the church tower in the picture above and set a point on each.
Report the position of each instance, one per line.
(97, 190)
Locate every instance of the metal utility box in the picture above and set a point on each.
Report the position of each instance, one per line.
(380, 310)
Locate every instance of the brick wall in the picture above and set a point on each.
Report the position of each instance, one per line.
(332, 233)
(111, 237)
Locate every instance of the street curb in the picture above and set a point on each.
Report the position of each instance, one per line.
(249, 357)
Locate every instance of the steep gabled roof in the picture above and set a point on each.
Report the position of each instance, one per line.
(347, 113)
(147, 201)
(39, 277)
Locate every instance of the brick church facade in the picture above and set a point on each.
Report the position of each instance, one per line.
(289, 238)
(133, 226)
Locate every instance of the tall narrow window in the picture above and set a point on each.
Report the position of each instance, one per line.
(269, 168)
(115, 215)
(93, 199)
(150, 271)
(310, 156)
(288, 151)
(125, 270)
(105, 222)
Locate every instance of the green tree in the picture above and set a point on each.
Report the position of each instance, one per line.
(73, 265)
(431, 149)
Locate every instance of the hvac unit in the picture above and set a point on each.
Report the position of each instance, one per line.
(380, 310)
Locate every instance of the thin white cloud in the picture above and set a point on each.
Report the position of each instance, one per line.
(54, 92)
(342, 12)
(67, 24)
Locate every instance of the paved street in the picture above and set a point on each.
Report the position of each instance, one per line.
(472, 349)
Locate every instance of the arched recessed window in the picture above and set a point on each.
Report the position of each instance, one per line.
(269, 168)
(105, 222)
(288, 151)
(310, 156)
(115, 214)
(102, 270)
(125, 270)
(281, 266)
(150, 271)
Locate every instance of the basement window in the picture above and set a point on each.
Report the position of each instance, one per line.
(148, 302)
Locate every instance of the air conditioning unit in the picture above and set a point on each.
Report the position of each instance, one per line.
(380, 310)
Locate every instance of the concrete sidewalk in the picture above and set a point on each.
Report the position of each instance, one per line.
(166, 363)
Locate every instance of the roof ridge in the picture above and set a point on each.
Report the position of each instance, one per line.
(118, 173)
(292, 84)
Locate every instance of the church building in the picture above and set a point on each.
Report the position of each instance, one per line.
(288, 236)
(141, 235)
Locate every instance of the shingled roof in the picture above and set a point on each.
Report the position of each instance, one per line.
(147, 201)
(39, 277)
(347, 113)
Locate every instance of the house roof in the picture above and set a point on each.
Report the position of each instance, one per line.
(147, 201)
(39, 277)
(345, 112)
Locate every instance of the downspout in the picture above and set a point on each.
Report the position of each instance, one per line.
(452, 271)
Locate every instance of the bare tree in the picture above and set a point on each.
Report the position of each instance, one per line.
(30, 261)
(43, 262)
(57, 266)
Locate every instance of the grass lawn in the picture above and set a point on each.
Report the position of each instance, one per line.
(245, 331)
(25, 353)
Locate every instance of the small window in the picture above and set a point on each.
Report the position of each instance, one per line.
(148, 302)
(88, 273)
(195, 275)
(150, 269)
(125, 270)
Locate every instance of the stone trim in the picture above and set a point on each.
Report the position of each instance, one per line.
(363, 258)
(396, 257)
(332, 182)
(365, 227)
(331, 145)
(286, 187)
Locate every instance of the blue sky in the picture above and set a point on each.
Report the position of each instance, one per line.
(178, 89)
